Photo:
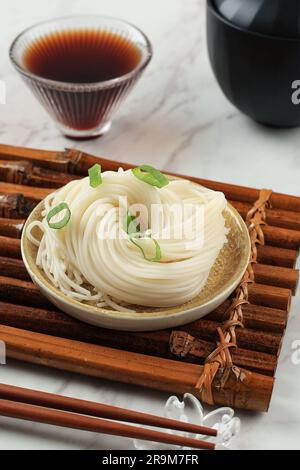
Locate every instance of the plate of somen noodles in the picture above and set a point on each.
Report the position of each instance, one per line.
(135, 250)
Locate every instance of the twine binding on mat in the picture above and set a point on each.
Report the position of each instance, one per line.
(219, 362)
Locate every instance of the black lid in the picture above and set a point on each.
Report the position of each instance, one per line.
(271, 17)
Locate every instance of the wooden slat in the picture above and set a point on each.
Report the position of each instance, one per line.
(140, 369)
(10, 247)
(13, 268)
(11, 227)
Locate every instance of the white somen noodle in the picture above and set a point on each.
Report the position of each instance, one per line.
(112, 271)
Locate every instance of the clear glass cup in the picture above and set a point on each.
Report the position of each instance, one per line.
(81, 110)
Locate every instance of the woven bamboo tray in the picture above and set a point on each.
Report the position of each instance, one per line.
(229, 357)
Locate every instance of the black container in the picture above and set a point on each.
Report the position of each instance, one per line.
(257, 72)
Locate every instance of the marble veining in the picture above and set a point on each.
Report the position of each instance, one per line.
(176, 119)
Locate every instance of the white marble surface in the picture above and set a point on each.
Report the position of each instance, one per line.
(176, 119)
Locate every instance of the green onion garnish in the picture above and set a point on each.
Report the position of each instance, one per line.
(130, 224)
(150, 175)
(134, 231)
(61, 207)
(157, 256)
(95, 175)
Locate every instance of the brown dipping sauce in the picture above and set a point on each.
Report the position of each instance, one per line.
(81, 56)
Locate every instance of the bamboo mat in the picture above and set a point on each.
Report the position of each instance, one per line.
(170, 360)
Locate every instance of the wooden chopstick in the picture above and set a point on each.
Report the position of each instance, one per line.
(67, 419)
(100, 410)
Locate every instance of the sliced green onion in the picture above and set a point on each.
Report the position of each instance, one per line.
(95, 175)
(150, 175)
(157, 256)
(130, 224)
(56, 210)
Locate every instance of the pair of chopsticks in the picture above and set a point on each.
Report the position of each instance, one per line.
(42, 407)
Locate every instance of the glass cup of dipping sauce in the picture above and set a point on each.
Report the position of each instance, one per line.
(81, 69)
